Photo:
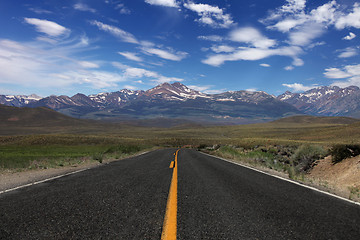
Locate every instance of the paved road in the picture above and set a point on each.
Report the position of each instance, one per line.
(216, 200)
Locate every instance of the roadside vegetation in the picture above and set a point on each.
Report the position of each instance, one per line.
(292, 146)
(51, 151)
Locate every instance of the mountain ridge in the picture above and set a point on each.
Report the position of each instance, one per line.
(326, 101)
(178, 101)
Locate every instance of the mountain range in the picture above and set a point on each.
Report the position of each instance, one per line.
(177, 101)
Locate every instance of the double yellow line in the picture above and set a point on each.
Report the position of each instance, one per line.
(170, 221)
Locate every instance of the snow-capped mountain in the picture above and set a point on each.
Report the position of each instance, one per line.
(18, 100)
(326, 101)
(175, 91)
(178, 101)
(170, 101)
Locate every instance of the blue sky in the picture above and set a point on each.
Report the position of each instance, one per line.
(70, 46)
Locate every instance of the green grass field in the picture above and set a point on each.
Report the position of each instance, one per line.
(21, 146)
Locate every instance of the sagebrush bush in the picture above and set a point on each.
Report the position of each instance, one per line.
(305, 156)
(341, 151)
(123, 149)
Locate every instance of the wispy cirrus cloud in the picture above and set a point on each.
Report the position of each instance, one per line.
(115, 31)
(84, 7)
(140, 73)
(264, 65)
(50, 28)
(213, 38)
(40, 10)
(147, 47)
(131, 56)
(168, 54)
(51, 67)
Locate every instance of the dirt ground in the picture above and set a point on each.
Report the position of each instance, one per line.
(12, 179)
(342, 178)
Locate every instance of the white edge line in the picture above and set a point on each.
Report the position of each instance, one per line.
(41, 181)
(284, 179)
(59, 176)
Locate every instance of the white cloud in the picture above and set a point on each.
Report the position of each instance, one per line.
(297, 62)
(146, 46)
(336, 73)
(306, 34)
(251, 89)
(350, 75)
(289, 68)
(40, 11)
(326, 13)
(349, 20)
(348, 52)
(206, 89)
(212, 16)
(287, 24)
(51, 29)
(87, 64)
(83, 7)
(303, 27)
(298, 87)
(200, 88)
(251, 36)
(213, 38)
(131, 56)
(350, 36)
(50, 67)
(252, 54)
(130, 87)
(115, 31)
(265, 65)
(222, 48)
(122, 9)
(164, 3)
(96, 79)
(165, 54)
(140, 73)
(293, 6)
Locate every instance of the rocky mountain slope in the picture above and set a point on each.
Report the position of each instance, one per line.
(326, 101)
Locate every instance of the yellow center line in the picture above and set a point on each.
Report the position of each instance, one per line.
(170, 221)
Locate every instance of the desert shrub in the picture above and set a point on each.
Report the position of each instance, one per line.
(229, 150)
(202, 146)
(98, 157)
(305, 156)
(341, 151)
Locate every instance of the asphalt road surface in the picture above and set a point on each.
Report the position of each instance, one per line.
(215, 200)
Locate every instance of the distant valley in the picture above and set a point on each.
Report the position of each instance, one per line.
(177, 101)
